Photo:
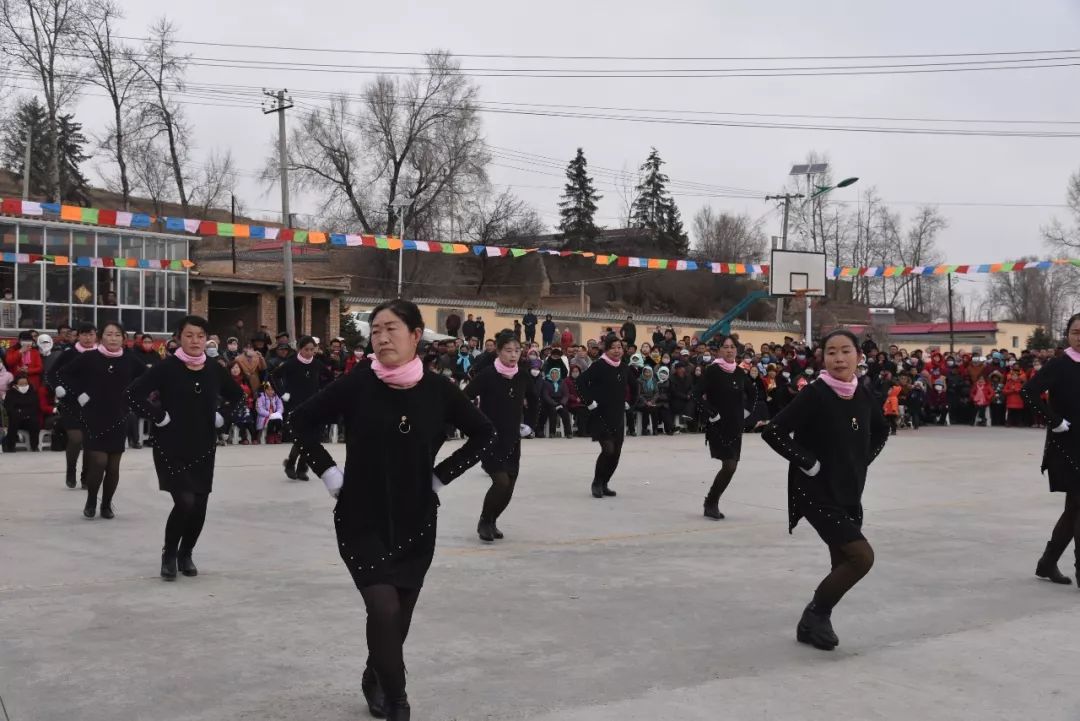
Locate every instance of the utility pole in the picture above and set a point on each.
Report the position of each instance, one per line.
(952, 339)
(26, 167)
(582, 286)
(280, 103)
(232, 219)
(787, 198)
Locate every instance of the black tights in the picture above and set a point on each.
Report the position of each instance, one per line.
(1067, 529)
(101, 468)
(389, 613)
(498, 496)
(186, 520)
(721, 481)
(74, 448)
(850, 562)
(608, 460)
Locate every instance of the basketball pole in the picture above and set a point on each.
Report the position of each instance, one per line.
(809, 335)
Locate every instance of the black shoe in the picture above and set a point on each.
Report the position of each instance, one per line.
(90, 509)
(597, 490)
(1049, 570)
(137, 446)
(485, 530)
(646, 432)
(106, 510)
(631, 432)
(816, 629)
(301, 475)
(398, 709)
(373, 693)
(69, 480)
(496, 531)
(608, 492)
(168, 565)
(186, 565)
(712, 510)
(290, 470)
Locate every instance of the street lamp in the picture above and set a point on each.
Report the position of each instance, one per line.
(401, 205)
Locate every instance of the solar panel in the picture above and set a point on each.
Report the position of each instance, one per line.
(818, 168)
(799, 169)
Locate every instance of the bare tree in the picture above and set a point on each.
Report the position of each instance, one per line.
(728, 238)
(150, 172)
(38, 34)
(214, 182)
(1034, 296)
(417, 137)
(626, 191)
(160, 114)
(500, 219)
(116, 73)
(1059, 237)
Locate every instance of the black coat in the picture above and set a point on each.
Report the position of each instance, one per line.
(1061, 451)
(300, 380)
(732, 397)
(22, 406)
(104, 380)
(843, 435)
(502, 401)
(69, 409)
(184, 449)
(386, 511)
(610, 388)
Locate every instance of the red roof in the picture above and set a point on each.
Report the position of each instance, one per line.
(975, 326)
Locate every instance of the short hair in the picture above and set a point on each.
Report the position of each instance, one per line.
(305, 340)
(115, 324)
(196, 320)
(406, 310)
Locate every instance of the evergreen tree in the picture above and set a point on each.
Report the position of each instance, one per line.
(1041, 339)
(578, 205)
(30, 116)
(654, 209)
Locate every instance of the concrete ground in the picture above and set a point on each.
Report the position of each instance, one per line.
(627, 608)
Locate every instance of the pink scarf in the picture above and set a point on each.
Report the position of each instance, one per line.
(610, 361)
(304, 360)
(844, 389)
(1073, 353)
(504, 370)
(726, 366)
(108, 353)
(402, 376)
(79, 348)
(191, 360)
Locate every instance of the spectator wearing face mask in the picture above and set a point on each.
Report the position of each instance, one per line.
(554, 402)
(232, 349)
(23, 414)
(981, 395)
(575, 405)
(25, 358)
(252, 364)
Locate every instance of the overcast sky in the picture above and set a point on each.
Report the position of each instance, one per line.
(908, 168)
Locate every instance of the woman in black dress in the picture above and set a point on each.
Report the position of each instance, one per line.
(296, 380)
(502, 388)
(839, 430)
(69, 409)
(97, 381)
(1061, 454)
(395, 418)
(608, 392)
(727, 395)
(185, 420)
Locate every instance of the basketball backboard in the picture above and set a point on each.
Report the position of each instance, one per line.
(796, 272)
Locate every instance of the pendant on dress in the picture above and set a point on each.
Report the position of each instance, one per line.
(854, 423)
(404, 426)
(198, 387)
(111, 368)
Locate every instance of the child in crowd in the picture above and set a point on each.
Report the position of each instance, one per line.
(270, 414)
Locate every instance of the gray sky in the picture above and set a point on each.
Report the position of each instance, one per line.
(902, 167)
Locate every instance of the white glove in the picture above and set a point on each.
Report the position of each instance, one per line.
(275, 417)
(333, 479)
(715, 418)
(56, 409)
(164, 421)
(592, 406)
(1062, 427)
(83, 399)
(218, 420)
(285, 397)
(626, 406)
(745, 413)
(60, 391)
(813, 470)
(558, 408)
(436, 484)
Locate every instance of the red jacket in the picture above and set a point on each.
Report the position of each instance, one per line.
(981, 394)
(1013, 401)
(33, 369)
